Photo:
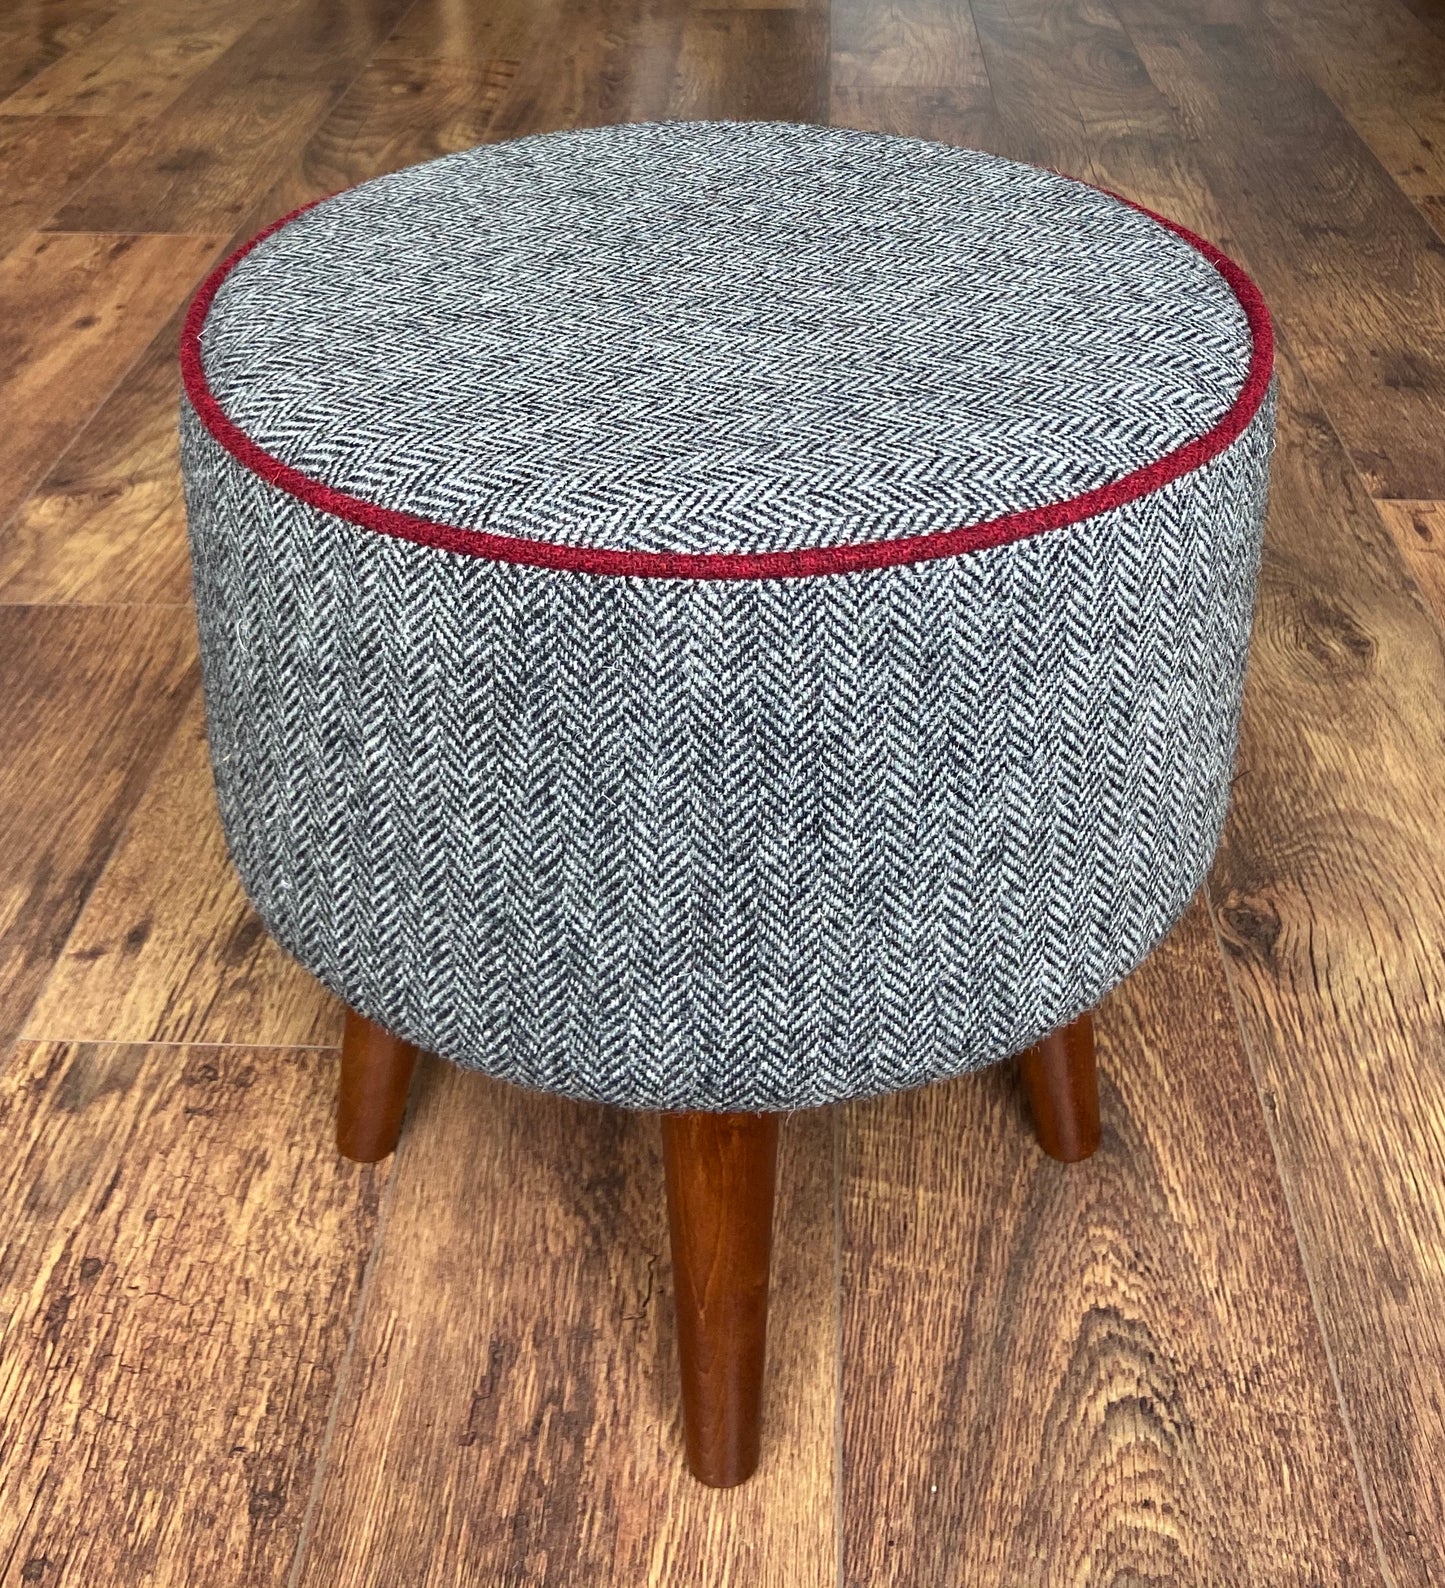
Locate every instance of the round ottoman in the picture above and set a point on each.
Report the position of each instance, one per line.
(724, 616)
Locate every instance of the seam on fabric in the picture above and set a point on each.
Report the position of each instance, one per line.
(795, 563)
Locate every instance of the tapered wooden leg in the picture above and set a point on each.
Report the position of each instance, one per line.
(721, 1169)
(375, 1076)
(1063, 1086)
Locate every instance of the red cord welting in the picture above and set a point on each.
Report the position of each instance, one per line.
(803, 562)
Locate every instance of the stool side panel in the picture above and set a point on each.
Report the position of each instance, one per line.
(753, 844)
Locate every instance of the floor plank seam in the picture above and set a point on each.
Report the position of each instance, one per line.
(161, 751)
(343, 1374)
(1422, 600)
(1347, 1422)
(7, 523)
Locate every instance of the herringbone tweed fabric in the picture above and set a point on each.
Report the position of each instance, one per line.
(752, 336)
(746, 842)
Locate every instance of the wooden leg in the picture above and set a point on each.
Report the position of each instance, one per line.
(1063, 1087)
(375, 1075)
(721, 1170)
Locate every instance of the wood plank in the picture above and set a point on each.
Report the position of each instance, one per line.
(520, 1424)
(34, 33)
(403, 111)
(1385, 69)
(911, 69)
(1072, 93)
(1105, 1372)
(167, 949)
(134, 65)
(1419, 531)
(108, 522)
(1429, 12)
(92, 697)
(1052, 82)
(1347, 262)
(399, 112)
(75, 311)
(43, 161)
(203, 163)
(597, 62)
(502, 30)
(181, 1256)
(1331, 904)
(752, 65)
(593, 62)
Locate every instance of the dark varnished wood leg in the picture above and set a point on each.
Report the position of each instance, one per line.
(375, 1075)
(721, 1169)
(1063, 1087)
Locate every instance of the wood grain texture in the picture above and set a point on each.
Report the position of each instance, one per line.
(1342, 255)
(468, 35)
(1429, 12)
(202, 163)
(752, 64)
(134, 65)
(1432, 207)
(33, 33)
(592, 62)
(179, 1266)
(43, 160)
(1102, 1372)
(399, 112)
(167, 949)
(1066, 82)
(75, 312)
(1419, 532)
(1045, 1379)
(525, 1282)
(91, 698)
(1071, 92)
(1331, 902)
(1385, 69)
(911, 69)
(107, 522)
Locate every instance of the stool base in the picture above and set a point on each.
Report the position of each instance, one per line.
(721, 1172)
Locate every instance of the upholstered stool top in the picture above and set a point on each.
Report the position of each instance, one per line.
(725, 338)
(724, 614)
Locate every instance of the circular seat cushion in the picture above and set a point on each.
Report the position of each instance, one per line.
(724, 615)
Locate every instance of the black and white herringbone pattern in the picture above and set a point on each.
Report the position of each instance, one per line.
(722, 336)
(734, 843)
(749, 844)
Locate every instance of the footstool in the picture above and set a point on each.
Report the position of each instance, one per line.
(724, 618)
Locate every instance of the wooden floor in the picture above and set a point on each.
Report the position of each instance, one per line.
(1213, 1355)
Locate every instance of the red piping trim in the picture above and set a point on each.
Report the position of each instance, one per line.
(799, 563)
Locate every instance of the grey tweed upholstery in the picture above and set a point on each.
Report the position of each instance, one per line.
(703, 615)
